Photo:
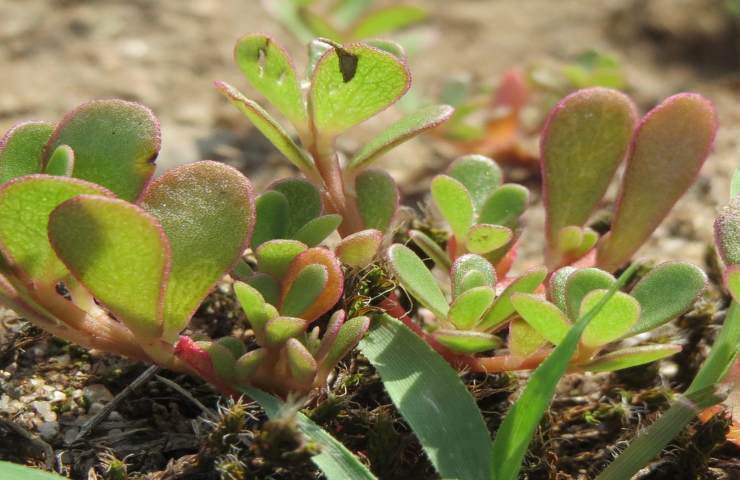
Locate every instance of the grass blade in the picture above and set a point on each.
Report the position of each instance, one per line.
(335, 460)
(432, 399)
(515, 434)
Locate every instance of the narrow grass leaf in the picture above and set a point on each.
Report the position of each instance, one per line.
(119, 253)
(520, 423)
(404, 129)
(25, 206)
(335, 460)
(432, 399)
(670, 147)
(353, 83)
(115, 144)
(502, 308)
(19, 472)
(21, 149)
(723, 354)
(268, 126)
(269, 69)
(207, 212)
(417, 280)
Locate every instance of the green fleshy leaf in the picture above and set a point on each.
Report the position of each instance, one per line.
(416, 279)
(115, 144)
(580, 283)
(387, 20)
(454, 203)
(25, 206)
(670, 146)
(667, 291)
(267, 286)
(505, 205)
(21, 148)
(222, 359)
(330, 333)
(351, 84)
(447, 422)
(569, 238)
(468, 308)
(119, 253)
(404, 129)
(332, 291)
(304, 202)
(271, 212)
(547, 319)
(335, 460)
(431, 248)
(253, 304)
(518, 427)
(19, 472)
(377, 198)
(62, 162)
(315, 231)
(480, 175)
(349, 335)
(613, 321)
(585, 138)
(470, 271)
(279, 329)
(246, 365)
(300, 361)
(735, 184)
(270, 71)
(207, 212)
(484, 238)
(630, 357)
(304, 290)
(234, 345)
(269, 127)
(523, 339)
(389, 46)
(727, 232)
(359, 249)
(274, 257)
(502, 308)
(557, 287)
(467, 342)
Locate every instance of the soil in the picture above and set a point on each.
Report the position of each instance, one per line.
(55, 54)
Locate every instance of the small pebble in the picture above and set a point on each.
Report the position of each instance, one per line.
(48, 430)
(97, 393)
(44, 409)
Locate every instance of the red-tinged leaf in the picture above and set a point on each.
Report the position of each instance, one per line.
(377, 198)
(21, 148)
(207, 212)
(359, 249)
(670, 147)
(585, 138)
(120, 253)
(334, 283)
(25, 206)
(300, 361)
(349, 335)
(332, 330)
(304, 290)
(401, 131)
(115, 144)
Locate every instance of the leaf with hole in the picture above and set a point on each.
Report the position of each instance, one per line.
(351, 84)
(269, 69)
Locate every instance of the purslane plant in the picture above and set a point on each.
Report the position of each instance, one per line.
(346, 85)
(105, 257)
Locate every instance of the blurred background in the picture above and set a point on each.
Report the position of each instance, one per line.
(503, 63)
